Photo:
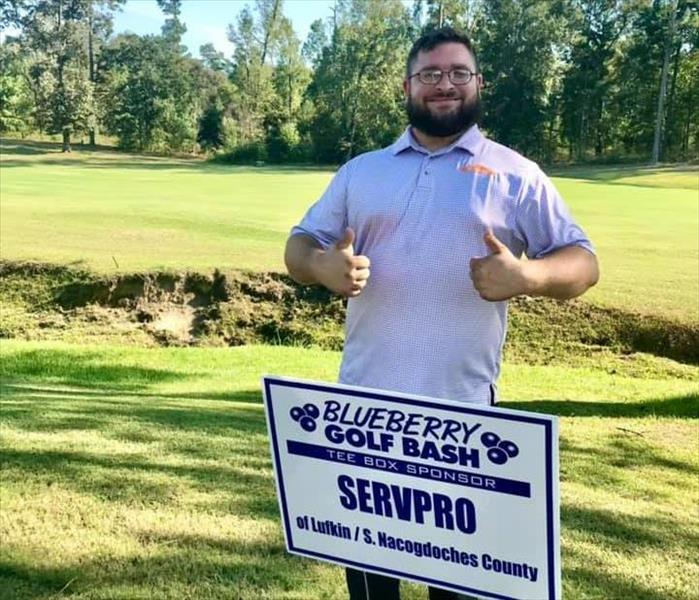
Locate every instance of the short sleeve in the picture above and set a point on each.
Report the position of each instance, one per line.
(326, 220)
(543, 221)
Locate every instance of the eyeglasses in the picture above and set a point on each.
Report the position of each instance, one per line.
(434, 76)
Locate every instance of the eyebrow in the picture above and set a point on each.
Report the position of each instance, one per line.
(453, 66)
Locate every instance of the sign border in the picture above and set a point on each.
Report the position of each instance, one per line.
(513, 415)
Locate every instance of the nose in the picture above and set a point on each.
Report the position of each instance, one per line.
(444, 84)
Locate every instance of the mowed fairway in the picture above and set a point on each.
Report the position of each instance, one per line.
(116, 212)
(144, 473)
(149, 213)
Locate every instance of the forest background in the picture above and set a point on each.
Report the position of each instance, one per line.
(566, 80)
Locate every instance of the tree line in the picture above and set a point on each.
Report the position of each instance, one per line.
(565, 79)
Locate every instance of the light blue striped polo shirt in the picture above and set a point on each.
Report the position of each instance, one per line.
(419, 326)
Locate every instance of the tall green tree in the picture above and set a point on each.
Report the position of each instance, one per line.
(356, 87)
(214, 59)
(256, 38)
(54, 34)
(61, 39)
(588, 81)
(152, 94)
(520, 59)
(291, 78)
(432, 14)
(15, 95)
(174, 28)
(683, 101)
(100, 18)
(317, 39)
(638, 76)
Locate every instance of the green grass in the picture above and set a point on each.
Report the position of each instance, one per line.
(145, 473)
(647, 239)
(118, 212)
(147, 212)
(662, 176)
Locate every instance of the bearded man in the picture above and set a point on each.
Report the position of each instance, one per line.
(425, 238)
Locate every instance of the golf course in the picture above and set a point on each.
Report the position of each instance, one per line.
(143, 297)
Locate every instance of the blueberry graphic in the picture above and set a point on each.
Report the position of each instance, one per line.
(509, 447)
(497, 456)
(490, 439)
(308, 424)
(311, 410)
(296, 413)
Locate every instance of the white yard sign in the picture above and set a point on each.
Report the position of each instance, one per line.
(454, 495)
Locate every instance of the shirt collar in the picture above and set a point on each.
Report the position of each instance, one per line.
(470, 141)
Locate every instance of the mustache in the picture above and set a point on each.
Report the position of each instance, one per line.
(443, 96)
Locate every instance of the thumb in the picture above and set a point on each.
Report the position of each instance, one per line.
(346, 240)
(475, 261)
(494, 244)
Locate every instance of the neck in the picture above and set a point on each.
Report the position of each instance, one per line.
(431, 142)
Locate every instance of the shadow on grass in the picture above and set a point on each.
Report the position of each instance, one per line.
(18, 147)
(175, 567)
(239, 482)
(686, 406)
(620, 532)
(51, 392)
(84, 368)
(47, 411)
(245, 487)
(610, 174)
(623, 454)
(89, 157)
(149, 449)
(593, 583)
(167, 164)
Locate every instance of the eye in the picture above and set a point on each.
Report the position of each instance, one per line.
(460, 75)
(431, 76)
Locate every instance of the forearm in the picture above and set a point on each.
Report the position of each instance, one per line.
(563, 274)
(300, 258)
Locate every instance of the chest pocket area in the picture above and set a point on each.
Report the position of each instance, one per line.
(470, 204)
(378, 204)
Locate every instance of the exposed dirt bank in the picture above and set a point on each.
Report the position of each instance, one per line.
(51, 302)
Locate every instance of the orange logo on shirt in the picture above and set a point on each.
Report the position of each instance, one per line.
(478, 169)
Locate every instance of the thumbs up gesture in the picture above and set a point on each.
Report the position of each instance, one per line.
(340, 270)
(500, 275)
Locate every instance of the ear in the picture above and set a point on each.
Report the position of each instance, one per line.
(479, 81)
(406, 87)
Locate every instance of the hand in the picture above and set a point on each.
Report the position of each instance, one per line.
(339, 270)
(500, 275)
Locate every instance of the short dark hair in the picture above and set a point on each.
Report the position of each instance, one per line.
(436, 37)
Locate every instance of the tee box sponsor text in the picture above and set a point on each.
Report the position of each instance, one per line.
(455, 495)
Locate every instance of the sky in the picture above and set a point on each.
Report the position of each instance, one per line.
(207, 20)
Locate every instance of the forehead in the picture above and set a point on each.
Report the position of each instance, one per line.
(444, 56)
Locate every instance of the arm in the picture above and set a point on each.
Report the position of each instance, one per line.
(562, 274)
(337, 268)
(565, 273)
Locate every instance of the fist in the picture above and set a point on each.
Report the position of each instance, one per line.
(340, 270)
(498, 276)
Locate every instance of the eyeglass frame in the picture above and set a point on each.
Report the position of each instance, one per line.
(441, 75)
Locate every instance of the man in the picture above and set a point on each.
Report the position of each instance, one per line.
(425, 237)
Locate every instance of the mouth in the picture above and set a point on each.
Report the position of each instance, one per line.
(444, 100)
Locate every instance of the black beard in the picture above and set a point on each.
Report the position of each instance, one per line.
(443, 126)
